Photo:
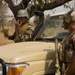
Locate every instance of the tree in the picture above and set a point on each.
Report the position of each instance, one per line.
(35, 5)
(3, 9)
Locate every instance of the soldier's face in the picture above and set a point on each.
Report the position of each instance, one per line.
(71, 27)
(22, 19)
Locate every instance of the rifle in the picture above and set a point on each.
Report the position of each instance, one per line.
(57, 58)
(37, 29)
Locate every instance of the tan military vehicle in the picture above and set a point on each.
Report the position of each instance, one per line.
(34, 57)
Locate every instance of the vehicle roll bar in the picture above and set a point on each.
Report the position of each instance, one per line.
(39, 26)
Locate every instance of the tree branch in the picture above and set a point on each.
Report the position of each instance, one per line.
(32, 9)
(15, 9)
(47, 6)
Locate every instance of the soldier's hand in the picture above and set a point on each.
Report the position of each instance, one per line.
(18, 23)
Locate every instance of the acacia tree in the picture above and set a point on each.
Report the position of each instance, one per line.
(35, 5)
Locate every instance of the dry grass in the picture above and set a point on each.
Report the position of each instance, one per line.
(3, 39)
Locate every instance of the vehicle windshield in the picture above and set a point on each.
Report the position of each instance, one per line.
(53, 27)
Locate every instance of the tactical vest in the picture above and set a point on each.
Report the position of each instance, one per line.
(67, 48)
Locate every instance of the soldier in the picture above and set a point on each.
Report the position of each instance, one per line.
(68, 45)
(23, 30)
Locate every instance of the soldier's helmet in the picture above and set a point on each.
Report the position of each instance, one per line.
(69, 18)
(22, 13)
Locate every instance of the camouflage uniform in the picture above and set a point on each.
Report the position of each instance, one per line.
(24, 33)
(23, 30)
(67, 51)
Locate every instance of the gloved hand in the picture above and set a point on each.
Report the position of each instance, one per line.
(18, 23)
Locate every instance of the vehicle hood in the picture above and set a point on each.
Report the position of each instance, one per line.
(26, 51)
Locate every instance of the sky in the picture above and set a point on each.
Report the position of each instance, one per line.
(60, 9)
